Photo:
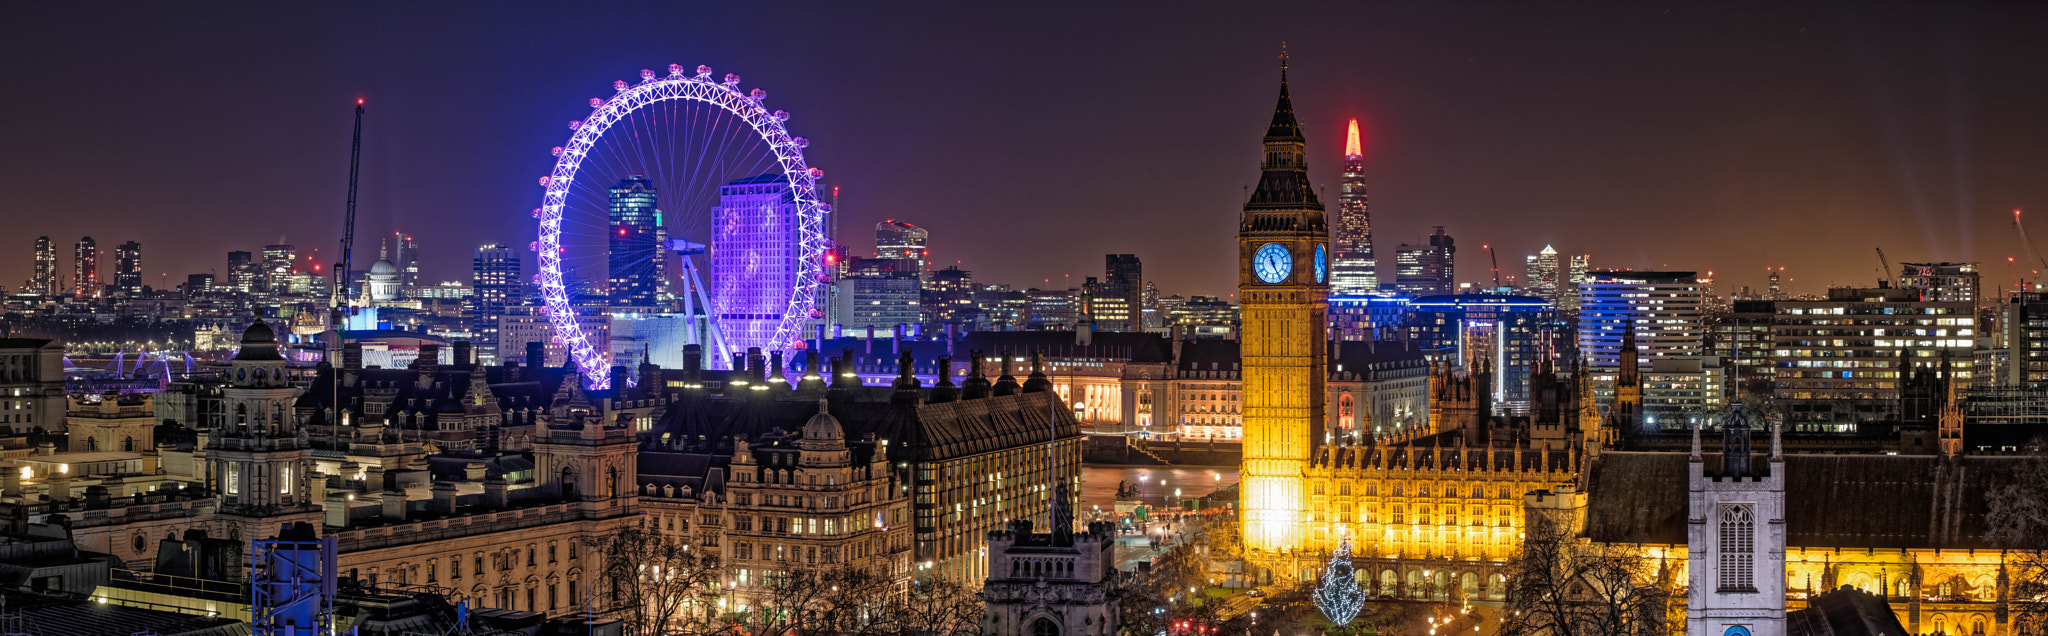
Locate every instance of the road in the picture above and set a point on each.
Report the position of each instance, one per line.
(1156, 484)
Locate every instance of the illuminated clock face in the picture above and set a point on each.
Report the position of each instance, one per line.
(1322, 265)
(1272, 263)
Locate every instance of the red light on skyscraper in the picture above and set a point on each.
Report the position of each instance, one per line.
(1352, 147)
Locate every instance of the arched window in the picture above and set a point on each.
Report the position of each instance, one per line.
(1738, 548)
(92, 444)
(1044, 627)
(128, 444)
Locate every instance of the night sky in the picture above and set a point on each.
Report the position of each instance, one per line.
(1032, 138)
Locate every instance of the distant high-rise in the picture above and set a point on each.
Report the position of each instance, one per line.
(242, 271)
(44, 280)
(277, 268)
(1353, 269)
(408, 264)
(496, 284)
(949, 298)
(896, 239)
(753, 260)
(85, 274)
(1568, 294)
(882, 293)
(637, 263)
(196, 284)
(128, 268)
(1942, 282)
(1119, 302)
(1427, 270)
(1660, 309)
(1542, 280)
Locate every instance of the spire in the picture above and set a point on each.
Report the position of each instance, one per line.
(1284, 125)
(1354, 150)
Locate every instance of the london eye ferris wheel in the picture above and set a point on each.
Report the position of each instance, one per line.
(667, 171)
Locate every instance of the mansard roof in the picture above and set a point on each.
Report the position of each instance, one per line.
(917, 432)
(1831, 501)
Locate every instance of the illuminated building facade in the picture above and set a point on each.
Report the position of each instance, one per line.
(244, 275)
(753, 259)
(408, 264)
(1427, 270)
(1842, 360)
(128, 268)
(1353, 269)
(897, 239)
(277, 268)
(1742, 338)
(1053, 309)
(1375, 390)
(1942, 282)
(1660, 309)
(637, 264)
(1506, 332)
(495, 284)
(44, 280)
(1283, 284)
(85, 273)
(1575, 276)
(1542, 275)
(1366, 318)
(882, 293)
(949, 299)
(1118, 302)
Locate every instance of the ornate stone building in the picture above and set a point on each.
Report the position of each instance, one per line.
(1056, 583)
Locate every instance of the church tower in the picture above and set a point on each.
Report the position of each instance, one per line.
(1283, 283)
(258, 460)
(1735, 538)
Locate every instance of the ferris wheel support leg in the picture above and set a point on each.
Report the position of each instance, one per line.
(710, 319)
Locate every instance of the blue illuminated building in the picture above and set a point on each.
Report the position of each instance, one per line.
(1504, 332)
(637, 262)
(1358, 318)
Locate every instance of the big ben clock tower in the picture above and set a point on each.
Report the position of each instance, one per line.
(1283, 285)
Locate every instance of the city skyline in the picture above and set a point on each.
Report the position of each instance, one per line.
(1505, 138)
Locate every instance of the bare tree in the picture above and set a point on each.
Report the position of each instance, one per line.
(857, 601)
(653, 583)
(2017, 523)
(1565, 587)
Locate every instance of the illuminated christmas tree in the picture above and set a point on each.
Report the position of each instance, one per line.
(1339, 596)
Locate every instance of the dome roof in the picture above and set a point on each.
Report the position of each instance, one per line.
(823, 427)
(258, 343)
(259, 333)
(383, 267)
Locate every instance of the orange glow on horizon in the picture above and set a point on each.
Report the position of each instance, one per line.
(1351, 146)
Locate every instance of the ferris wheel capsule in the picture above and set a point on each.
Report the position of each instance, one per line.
(703, 71)
(817, 173)
(556, 151)
(732, 79)
(536, 213)
(533, 246)
(780, 115)
(619, 85)
(675, 70)
(545, 180)
(800, 142)
(575, 124)
(646, 74)
(596, 102)
(758, 94)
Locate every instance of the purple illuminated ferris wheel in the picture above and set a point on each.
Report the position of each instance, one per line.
(666, 171)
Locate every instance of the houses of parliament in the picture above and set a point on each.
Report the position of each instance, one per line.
(1897, 511)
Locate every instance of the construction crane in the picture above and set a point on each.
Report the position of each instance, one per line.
(1881, 260)
(1496, 264)
(2032, 254)
(338, 298)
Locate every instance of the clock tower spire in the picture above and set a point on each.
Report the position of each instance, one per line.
(1283, 285)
